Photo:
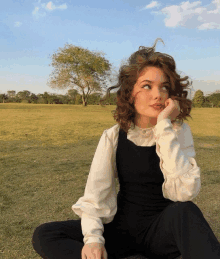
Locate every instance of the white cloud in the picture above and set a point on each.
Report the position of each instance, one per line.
(187, 5)
(209, 26)
(50, 6)
(151, 5)
(17, 24)
(214, 11)
(38, 10)
(217, 2)
(37, 13)
(192, 15)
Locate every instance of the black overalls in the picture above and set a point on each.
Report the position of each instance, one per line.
(145, 222)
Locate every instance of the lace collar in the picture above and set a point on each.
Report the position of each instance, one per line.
(145, 136)
(141, 136)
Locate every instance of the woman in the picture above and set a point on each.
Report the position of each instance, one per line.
(151, 152)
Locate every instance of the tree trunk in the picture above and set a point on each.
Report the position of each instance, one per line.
(84, 101)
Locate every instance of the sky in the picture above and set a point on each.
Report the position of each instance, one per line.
(31, 31)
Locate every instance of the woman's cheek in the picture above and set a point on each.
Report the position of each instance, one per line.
(142, 103)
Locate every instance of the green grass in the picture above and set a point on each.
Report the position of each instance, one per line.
(45, 156)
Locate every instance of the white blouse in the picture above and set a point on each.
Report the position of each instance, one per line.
(175, 148)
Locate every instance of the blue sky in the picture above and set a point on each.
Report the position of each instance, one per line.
(31, 31)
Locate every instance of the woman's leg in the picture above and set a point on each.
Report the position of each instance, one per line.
(59, 239)
(181, 229)
(64, 240)
(118, 241)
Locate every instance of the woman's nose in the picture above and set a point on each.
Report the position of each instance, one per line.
(156, 92)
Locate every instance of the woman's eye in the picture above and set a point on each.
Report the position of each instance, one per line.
(166, 87)
(146, 85)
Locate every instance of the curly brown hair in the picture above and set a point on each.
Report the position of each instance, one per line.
(128, 75)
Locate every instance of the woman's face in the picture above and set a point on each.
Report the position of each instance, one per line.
(151, 87)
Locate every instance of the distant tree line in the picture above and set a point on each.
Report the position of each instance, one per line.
(210, 100)
(72, 97)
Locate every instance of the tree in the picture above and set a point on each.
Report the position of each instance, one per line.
(24, 95)
(33, 98)
(214, 98)
(11, 94)
(207, 102)
(78, 99)
(94, 98)
(109, 99)
(3, 98)
(46, 97)
(112, 99)
(63, 99)
(54, 99)
(80, 68)
(198, 99)
(71, 94)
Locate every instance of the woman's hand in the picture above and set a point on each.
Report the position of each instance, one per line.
(94, 251)
(171, 110)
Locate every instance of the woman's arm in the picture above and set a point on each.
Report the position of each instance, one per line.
(99, 203)
(177, 162)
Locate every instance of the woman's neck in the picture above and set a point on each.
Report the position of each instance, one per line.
(145, 122)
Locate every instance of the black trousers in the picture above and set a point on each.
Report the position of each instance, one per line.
(180, 229)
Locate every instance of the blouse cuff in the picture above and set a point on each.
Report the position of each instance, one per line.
(92, 229)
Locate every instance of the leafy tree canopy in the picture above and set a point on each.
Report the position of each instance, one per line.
(74, 66)
(198, 98)
(23, 94)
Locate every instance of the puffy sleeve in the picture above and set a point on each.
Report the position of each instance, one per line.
(177, 161)
(99, 203)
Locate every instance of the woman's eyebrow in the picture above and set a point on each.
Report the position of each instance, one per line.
(152, 81)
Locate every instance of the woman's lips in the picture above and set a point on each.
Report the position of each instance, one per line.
(157, 107)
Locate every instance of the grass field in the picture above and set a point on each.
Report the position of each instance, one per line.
(45, 156)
